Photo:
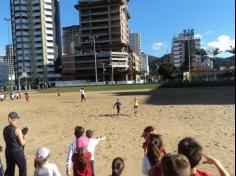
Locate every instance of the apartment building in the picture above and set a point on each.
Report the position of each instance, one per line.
(9, 58)
(135, 42)
(3, 73)
(71, 38)
(145, 65)
(183, 46)
(36, 38)
(104, 37)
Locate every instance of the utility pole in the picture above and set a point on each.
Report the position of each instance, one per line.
(93, 38)
(8, 20)
(189, 59)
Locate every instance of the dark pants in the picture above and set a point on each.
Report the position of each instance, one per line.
(15, 157)
(118, 110)
(92, 167)
(83, 98)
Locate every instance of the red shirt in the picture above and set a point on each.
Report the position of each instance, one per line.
(78, 171)
(155, 171)
(201, 173)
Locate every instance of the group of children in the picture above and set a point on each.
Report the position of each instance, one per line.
(14, 96)
(157, 162)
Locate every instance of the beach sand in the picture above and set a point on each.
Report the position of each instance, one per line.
(207, 114)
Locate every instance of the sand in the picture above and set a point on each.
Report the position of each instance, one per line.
(207, 114)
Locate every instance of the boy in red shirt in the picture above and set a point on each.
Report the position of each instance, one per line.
(194, 152)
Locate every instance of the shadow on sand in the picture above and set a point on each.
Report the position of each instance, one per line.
(114, 115)
(187, 96)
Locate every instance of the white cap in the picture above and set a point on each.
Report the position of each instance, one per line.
(43, 153)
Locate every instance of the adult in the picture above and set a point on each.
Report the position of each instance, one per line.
(14, 152)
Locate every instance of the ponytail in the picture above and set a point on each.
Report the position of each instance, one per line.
(39, 162)
(82, 159)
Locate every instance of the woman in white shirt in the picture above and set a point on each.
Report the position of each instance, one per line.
(42, 166)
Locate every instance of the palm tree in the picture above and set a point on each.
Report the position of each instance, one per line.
(231, 50)
(214, 53)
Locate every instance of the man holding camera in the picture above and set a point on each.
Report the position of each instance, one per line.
(15, 140)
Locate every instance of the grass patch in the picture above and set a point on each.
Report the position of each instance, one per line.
(103, 88)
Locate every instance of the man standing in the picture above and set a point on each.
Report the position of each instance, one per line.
(82, 94)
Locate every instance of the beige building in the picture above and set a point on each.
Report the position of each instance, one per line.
(104, 29)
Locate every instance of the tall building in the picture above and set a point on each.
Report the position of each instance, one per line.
(3, 73)
(36, 38)
(71, 38)
(135, 42)
(183, 46)
(104, 33)
(145, 65)
(9, 58)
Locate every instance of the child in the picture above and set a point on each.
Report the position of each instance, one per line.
(175, 165)
(136, 105)
(78, 132)
(118, 106)
(81, 159)
(42, 166)
(82, 94)
(58, 93)
(27, 97)
(152, 159)
(91, 147)
(194, 152)
(146, 134)
(118, 166)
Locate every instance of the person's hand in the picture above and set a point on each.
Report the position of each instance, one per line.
(209, 160)
(68, 172)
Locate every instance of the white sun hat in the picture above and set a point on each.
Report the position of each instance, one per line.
(43, 153)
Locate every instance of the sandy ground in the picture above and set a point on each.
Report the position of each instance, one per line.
(207, 114)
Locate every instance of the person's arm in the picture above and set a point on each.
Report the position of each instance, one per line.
(69, 159)
(145, 166)
(56, 171)
(217, 163)
(101, 139)
(20, 136)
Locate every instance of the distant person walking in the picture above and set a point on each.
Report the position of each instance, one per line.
(58, 93)
(82, 94)
(14, 152)
(117, 105)
(27, 96)
(135, 105)
(1, 166)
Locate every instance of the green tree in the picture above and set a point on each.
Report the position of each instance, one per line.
(200, 52)
(169, 72)
(214, 52)
(231, 50)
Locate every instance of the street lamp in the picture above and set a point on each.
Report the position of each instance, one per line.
(93, 38)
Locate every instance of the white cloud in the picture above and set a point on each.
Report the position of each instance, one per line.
(223, 42)
(158, 46)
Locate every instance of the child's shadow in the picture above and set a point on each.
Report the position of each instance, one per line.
(114, 115)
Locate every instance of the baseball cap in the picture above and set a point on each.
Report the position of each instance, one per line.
(43, 153)
(82, 142)
(13, 115)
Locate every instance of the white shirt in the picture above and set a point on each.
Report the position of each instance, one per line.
(82, 92)
(71, 151)
(92, 145)
(48, 170)
(145, 165)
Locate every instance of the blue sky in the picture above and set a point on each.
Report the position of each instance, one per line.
(159, 20)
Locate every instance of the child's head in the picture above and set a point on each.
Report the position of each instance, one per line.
(148, 131)
(79, 131)
(190, 148)
(154, 149)
(175, 165)
(41, 158)
(89, 134)
(118, 166)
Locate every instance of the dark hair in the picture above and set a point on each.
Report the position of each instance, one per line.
(154, 149)
(39, 162)
(79, 131)
(148, 129)
(191, 149)
(89, 133)
(117, 166)
(82, 161)
(175, 165)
